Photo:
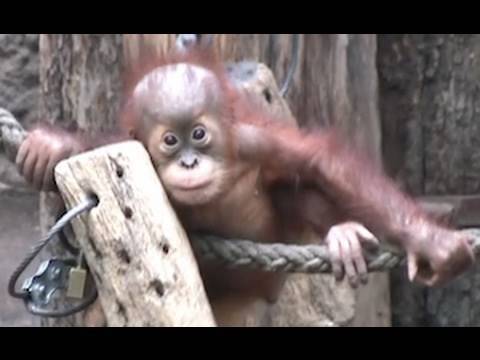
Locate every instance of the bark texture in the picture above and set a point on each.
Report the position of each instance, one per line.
(80, 85)
(430, 105)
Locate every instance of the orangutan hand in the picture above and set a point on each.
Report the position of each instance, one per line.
(438, 255)
(40, 152)
(345, 243)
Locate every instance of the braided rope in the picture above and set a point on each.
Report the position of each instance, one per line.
(11, 134)
(244, 253)
(293, 258)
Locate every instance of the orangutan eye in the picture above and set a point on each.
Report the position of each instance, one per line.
(170, 140)
(199, 133)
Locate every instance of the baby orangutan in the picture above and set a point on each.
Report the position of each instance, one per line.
(231, 170)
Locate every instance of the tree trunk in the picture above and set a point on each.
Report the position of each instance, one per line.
(335, 83)
(430, 103)
(80, 83)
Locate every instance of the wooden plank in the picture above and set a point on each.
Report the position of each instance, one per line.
(138, 252)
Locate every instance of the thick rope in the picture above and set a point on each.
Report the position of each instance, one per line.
(11, 134)
(293, 258)
(245, 253)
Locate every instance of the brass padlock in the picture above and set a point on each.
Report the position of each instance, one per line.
(76, 283)
(77, 280)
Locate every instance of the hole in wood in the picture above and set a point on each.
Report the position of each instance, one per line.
(128, 212)
(165, 248)
(120, 172)
(124, 256)
(268, 95)
(94, 197)
(157, 285)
